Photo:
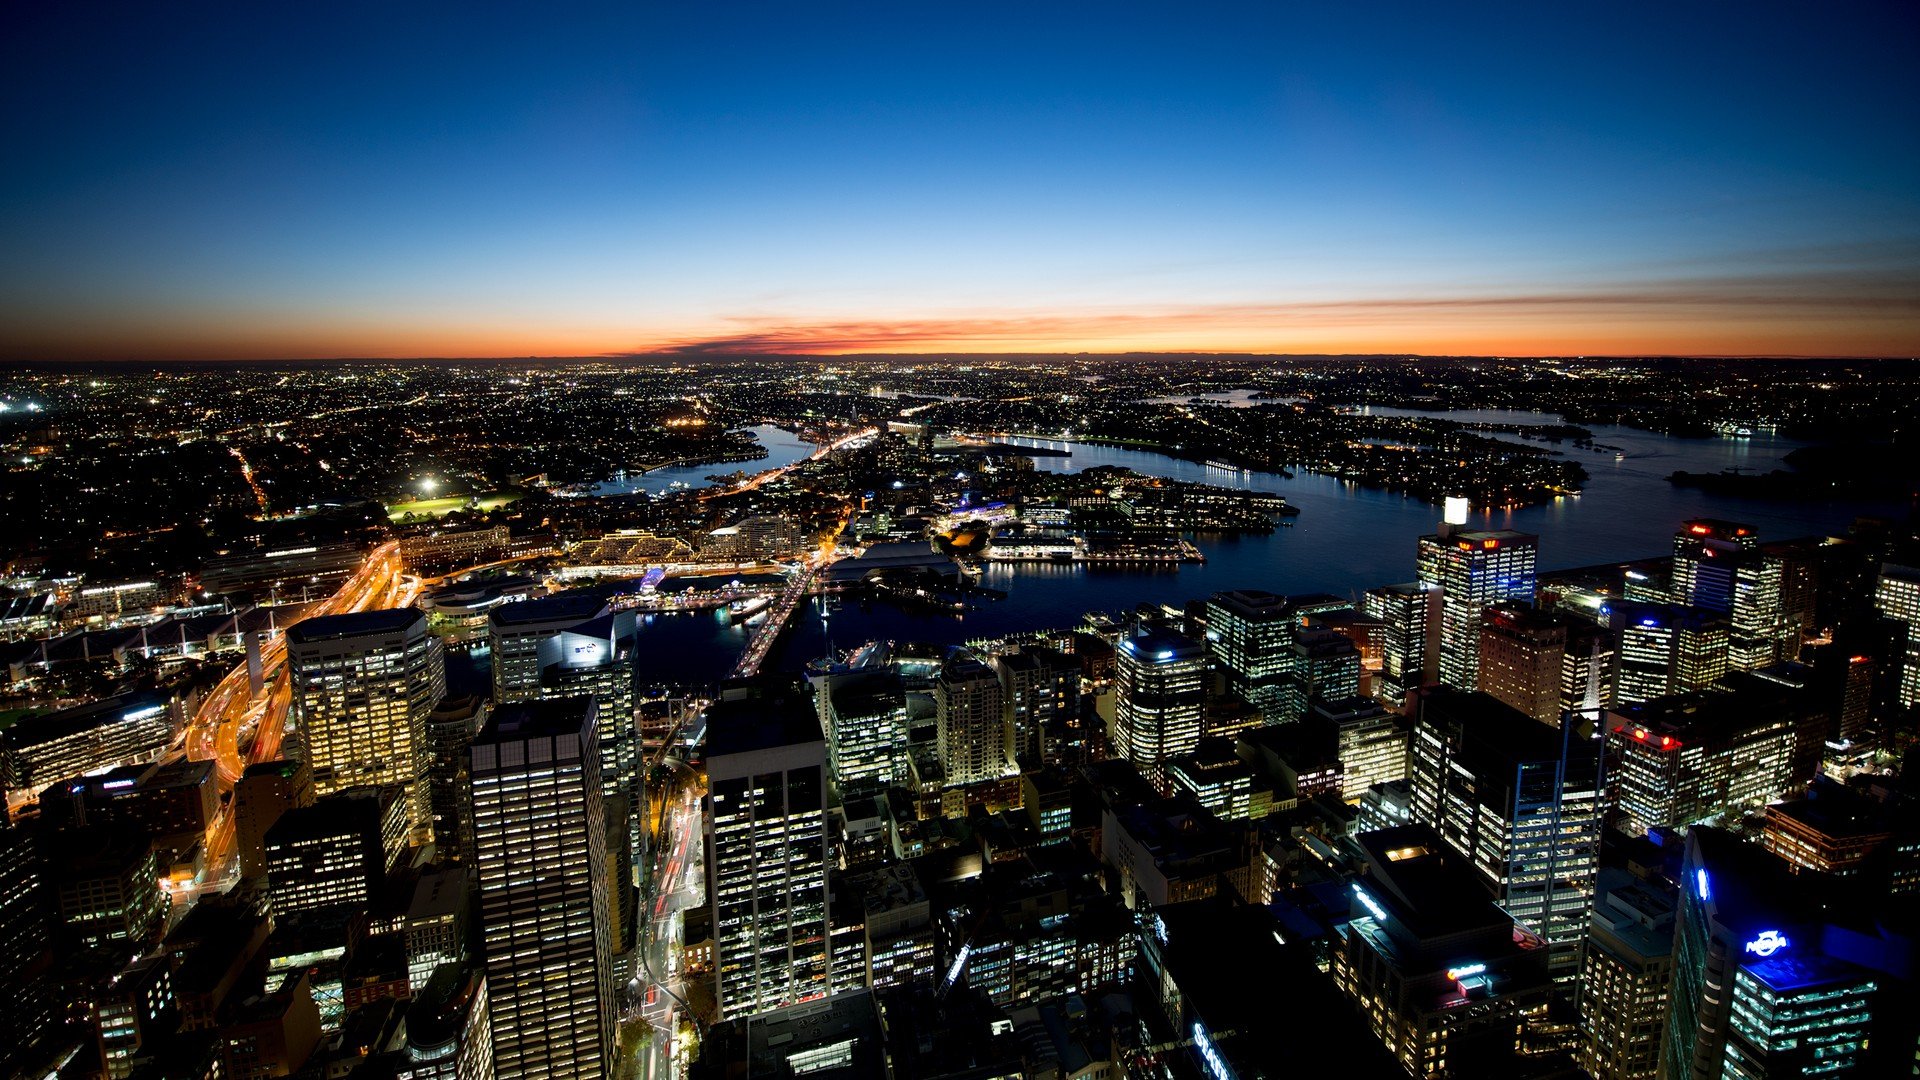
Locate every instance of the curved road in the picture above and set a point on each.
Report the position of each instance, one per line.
(233, 729)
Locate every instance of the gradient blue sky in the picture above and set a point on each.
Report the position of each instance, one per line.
(423, 179)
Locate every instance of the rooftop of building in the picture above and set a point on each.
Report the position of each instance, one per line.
(354, 624)
(1729, 707)
(1258, 998)
(46, 727)
(867, 693)
(764, 1044)
(543, 718)
(1835, 810)
(1429, 886)
(1156, 644)
(1494, 731)
(572, 606)
(760, 714)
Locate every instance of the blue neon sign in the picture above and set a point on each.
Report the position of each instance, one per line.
(1768, 943)
(1700, 880)
(1210, 1054)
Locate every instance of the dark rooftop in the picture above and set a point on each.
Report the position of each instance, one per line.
(378, 621)
(575, 605)
(760, 714)
(535, 719)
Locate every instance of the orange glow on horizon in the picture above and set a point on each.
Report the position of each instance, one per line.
(1698, 323)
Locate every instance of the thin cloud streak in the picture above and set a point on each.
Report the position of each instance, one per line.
(1686, 313)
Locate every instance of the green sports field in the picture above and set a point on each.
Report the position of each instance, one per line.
(447, 504)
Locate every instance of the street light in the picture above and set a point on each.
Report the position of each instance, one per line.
(427, 485)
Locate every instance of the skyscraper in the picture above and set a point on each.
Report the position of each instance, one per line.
(864, 715)
(1686, 757)
(514, 634)
(1410, 646)
(1897, 595)
(545, 899)
(1250, 635)
(334, 853)
(1760, 986)
(1159, 699)
(1473, 568)
(1522, 801)
(363, 686)
(1719, 566)
(766, 830)
(1042, 687)
(596, 658)
(1624, 973)
(1522, 651)
(1667, 649)
(974, 738)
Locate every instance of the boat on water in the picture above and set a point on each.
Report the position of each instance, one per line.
(741, 610)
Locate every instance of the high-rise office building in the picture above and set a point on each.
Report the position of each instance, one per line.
(1719, 566)
(1410, 643)
(1767, 979)
(1667, 649)
(266, 790)
(1474, 569)
(1686, 757)
(450, 728)
(767, 845)
(1250, 636)
(363, 686)
(595, 658)
(975, 741)
(1624, 973)
(1369, 741)
(1042, 688)
(24, 954)
(1325, 666)
(1523, 801)
(864, 716)
(1522, 652)
(1434, 967)
(546, 903)
(334, 853)
(514, 634)
(1159, 699)
(1547, 664)
(1897, 595)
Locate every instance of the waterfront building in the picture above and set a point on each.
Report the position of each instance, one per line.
(1720, 566)
(864, 716)
(596, 658)
(515, 631)
(973, 735)
(1159, 699)
(1042, 690)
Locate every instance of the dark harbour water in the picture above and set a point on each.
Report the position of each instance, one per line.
(1346, 539)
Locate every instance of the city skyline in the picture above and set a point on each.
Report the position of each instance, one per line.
(1243, 179)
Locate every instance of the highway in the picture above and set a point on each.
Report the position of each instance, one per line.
(233, 728)
(675, 882)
